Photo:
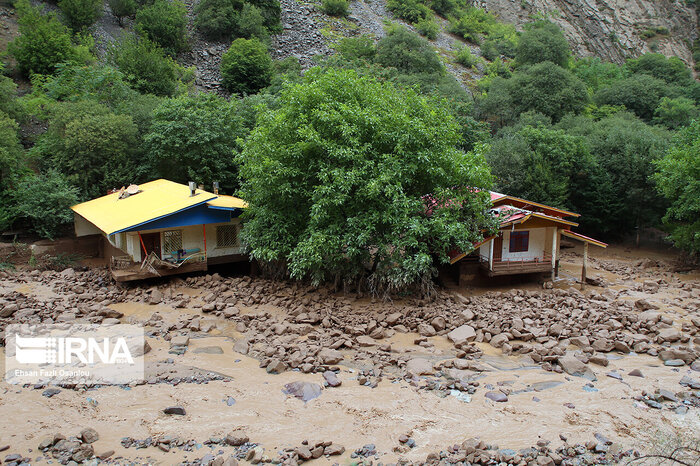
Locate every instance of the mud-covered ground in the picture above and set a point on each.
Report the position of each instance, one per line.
(528, 374)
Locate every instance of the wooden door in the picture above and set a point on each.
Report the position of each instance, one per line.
(151, 241)
(498, 247)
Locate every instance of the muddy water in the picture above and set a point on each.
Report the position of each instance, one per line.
(350, 415)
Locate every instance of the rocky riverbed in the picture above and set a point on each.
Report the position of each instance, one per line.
(243, 369)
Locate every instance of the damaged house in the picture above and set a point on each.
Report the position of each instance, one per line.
(528, 241)
(163, 228)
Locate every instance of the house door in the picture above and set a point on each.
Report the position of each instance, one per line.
(151, 241)
(498, 247)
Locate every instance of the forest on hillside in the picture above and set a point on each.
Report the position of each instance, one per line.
(336, 161)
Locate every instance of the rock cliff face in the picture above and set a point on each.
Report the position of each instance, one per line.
(610, 29)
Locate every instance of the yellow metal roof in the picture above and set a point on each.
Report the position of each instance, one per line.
(157, 199)
(228, 202)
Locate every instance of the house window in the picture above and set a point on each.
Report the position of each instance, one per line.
(519, 241)
(172, 241)
(227, 236)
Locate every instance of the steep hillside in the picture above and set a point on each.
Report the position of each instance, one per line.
(611, 29)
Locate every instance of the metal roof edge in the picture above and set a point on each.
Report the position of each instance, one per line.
(162, 216)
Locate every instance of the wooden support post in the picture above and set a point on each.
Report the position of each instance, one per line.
(491, 254)
(583, 267)
(554, 252)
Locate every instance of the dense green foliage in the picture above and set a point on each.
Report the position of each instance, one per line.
(246, 67)
(542, 41)
(237, 18)
(44, 201)
(678, 179)
(147, 67)
(336, 179)
(80, 13)
(43, 42)
(542, 164)
(405, 51)
(195, 138)
(335, 7)
(544, 88)
(94, 147)
(164, 22)
(123, 9)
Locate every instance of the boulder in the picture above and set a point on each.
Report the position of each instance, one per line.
(575, 367)
(462, 334)
(419, 366)
(330, 356)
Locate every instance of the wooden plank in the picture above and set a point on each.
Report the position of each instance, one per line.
(131, 274)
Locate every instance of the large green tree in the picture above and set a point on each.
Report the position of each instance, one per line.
(678, 179)
(195, 138)
(546, 165)
(339, 180)
(625, 148)
(544, 88)
(93, 147)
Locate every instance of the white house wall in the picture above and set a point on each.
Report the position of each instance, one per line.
(192, 238)
(536, 245)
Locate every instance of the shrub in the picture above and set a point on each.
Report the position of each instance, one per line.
(271, 12)
(45, 200)
(217, 18)
(81, 13)
(43, 42)
(542, 41)
(335, 7)
(407, 52)
(336, 180)
(471, 23)
(465, 57)
(123, 9)
(357, 48)
(246, 67)
(444, 8)
(428, 28)
(164, 23)
(409, 10)
(251, 23)
(147, 67)
(235, 18)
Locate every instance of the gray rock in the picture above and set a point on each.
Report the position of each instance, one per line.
(462, 334)
(331, 378)
(89, 435)
(498, 397)
(175, 410)
(419, 366)
(575, 367)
